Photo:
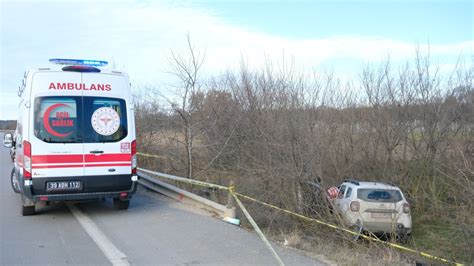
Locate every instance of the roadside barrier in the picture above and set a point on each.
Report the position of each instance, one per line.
(171, 191)
(236, 195)
(232, 192)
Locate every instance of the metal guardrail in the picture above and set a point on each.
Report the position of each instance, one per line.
(229, 211)
(148, 180)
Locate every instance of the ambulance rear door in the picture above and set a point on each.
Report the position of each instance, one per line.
(107, 138)
(56, 134)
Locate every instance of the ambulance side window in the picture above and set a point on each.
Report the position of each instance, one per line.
(56, 119)
(105, 119)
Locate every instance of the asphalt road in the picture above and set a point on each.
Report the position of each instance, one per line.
(154, 230)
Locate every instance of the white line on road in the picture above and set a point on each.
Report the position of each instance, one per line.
(115, 256)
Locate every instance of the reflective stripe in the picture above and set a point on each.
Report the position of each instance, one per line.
(79, 165)
(79, 158)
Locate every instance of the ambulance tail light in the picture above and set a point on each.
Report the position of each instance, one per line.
(134, 157)
(26, 160)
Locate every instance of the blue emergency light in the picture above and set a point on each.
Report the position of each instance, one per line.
(78, 62)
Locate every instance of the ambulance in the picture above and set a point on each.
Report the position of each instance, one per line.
(75, 136)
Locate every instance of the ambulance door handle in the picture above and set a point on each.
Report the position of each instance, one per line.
(96, 152)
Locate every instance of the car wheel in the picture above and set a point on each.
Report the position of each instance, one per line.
(402, 238)
(14, 181)
(121, 204)
(27, 210)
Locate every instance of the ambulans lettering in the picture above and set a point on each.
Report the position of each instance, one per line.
(79, 86)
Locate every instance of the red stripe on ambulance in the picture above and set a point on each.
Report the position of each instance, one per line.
(113, 157)
(79, 165)
(79, 158)
(66, 158)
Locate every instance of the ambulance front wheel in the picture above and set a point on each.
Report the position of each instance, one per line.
(121, 204)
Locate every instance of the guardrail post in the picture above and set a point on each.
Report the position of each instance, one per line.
(230, 208)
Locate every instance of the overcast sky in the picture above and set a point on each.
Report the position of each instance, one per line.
(137, 36)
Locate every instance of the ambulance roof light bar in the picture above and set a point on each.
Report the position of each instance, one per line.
(78, 62)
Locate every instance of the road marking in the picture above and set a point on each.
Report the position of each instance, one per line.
(113, 254)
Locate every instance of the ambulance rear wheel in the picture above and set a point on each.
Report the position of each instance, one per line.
(27, 210)
(121, 204)
(14, 181)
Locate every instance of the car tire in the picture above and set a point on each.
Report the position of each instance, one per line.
(121, 204)
(402, 238)
(14, 181)
(27, 210)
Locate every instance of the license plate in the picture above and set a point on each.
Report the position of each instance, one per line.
(381, 215)
(63, 185)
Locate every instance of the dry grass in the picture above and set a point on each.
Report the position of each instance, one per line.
(342, 251)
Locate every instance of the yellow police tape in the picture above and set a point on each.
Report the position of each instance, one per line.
(151, 155)
(349, 231)
(231, 189)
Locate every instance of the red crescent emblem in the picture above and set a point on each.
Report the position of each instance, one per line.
(46, 121)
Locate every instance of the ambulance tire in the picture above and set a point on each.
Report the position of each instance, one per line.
(27, 210)
(14, 181)
(121, 204)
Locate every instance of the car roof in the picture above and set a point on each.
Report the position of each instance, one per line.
(368, 184)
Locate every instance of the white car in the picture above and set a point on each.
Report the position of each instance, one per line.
(372, 206)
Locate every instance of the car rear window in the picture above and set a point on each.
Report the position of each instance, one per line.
(379, 195)
(80, 119)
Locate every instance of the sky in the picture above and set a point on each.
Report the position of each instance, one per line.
(139, 36)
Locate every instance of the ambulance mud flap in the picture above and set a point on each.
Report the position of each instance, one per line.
(26, 201)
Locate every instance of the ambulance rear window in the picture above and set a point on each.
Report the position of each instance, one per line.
(56, 119)
(105, 119)
(80, 119)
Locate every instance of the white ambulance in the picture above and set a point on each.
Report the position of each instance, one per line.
(75, 135)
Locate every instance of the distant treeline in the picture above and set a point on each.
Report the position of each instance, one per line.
(7, 124)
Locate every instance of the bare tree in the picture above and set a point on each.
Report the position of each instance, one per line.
(186, 69)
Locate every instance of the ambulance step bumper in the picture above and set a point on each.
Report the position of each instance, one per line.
(82, 196)
(92, 187)
(88, 184)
